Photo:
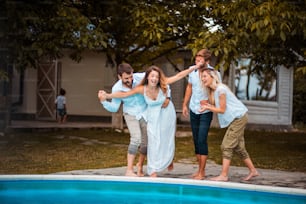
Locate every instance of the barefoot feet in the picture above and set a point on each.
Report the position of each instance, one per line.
(194, 174)
(130, 173)
(139, 170)
(170, 167)
(198, 176)
(153, 174)
(251, 175)
(219, 178)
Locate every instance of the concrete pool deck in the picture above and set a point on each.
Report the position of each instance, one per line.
(183, 171)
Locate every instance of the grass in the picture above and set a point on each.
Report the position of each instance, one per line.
(49, 152)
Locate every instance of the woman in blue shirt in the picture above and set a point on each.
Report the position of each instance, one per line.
(232, 114)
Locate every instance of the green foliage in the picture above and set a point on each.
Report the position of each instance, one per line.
(34, 30)
(147, 31)
(272, 32)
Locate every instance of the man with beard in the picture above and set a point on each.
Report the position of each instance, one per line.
(133, 109)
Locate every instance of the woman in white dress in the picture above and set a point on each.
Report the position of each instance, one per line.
(161, 122)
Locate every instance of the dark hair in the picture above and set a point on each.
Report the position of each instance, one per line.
(62, 92)
(124, 68)
(205, 53)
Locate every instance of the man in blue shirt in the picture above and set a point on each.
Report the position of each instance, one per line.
(195, 95)
(133, 108)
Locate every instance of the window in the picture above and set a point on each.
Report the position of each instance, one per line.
(254, 83)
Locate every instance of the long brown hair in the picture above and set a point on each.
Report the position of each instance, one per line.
(162, 79)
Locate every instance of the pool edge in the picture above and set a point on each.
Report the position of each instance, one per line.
(227, 185)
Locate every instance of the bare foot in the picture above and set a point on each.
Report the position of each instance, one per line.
(199, 177)
(195, 174)
(170, 167)
(130, 173)
(139, 170)
(153, 174)
(219, 178)
(251, 175)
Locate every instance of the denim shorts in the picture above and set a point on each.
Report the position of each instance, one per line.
(61, 112)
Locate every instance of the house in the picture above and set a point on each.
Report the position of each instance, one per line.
(34, 91)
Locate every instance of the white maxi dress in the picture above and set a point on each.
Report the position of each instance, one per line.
(161, 127)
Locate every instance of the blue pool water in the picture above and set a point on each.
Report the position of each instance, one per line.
(13, 191)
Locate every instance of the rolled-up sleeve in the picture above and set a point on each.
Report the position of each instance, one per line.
(113, 105)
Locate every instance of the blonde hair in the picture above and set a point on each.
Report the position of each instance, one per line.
(211, 89)
(162, 79)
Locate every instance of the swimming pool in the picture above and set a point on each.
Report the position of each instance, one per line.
(113, 189)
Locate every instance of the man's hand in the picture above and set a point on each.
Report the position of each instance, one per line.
(185, 111)
(102, 95)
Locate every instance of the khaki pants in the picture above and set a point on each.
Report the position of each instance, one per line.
(138, 133)
(233, 140)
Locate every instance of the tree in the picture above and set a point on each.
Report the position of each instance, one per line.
(135, 32)
(271, 32)
(33, 30)
(140, 32)
(123, 30)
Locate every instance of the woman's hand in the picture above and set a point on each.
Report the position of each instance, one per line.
(200, 65)
(205, 107)
(166, 102)
(197, 66)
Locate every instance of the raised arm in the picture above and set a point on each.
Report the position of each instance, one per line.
(111, 106)
(182, 74)
(138, 89)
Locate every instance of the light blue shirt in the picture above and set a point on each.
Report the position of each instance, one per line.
(234, 107)
(60, 102)
(134, 105)
(198, 92)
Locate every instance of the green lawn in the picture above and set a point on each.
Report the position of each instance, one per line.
(49, 152)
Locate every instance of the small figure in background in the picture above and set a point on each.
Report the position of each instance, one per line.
(60, 105)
